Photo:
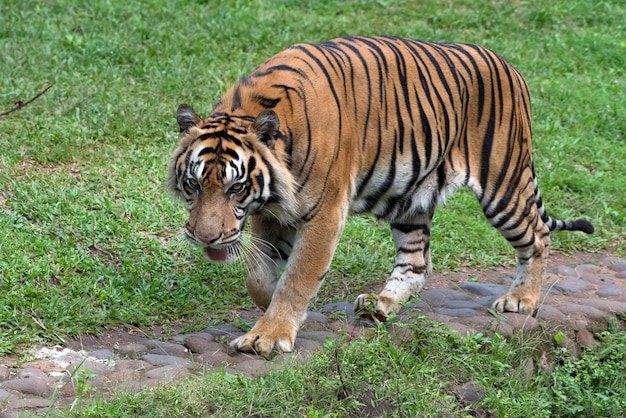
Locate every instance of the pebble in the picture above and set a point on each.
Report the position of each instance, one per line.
(575, 299)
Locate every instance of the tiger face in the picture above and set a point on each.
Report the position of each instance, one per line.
(223, 170)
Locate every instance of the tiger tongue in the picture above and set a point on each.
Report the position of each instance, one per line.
(216, 254)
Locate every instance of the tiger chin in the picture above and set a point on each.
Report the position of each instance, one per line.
(379, 125)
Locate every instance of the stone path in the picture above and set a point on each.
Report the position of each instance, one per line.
(579, 294)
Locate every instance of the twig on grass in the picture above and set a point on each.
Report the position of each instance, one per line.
(20, 104)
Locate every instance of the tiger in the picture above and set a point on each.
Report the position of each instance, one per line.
(381, 125)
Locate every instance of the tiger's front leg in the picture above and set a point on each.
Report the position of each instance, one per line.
(413, 265)
(312, 252)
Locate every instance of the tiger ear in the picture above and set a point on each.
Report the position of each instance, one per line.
(265, 127)
(186, 117)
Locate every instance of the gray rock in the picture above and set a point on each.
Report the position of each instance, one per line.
(596, 278)
(132, 348)
(605, 305)
(167, 373)
(29, 372)
(576, 310)
(90, 366)
(37, 386)
(455, 313)
(469, 393)
(573, 287)
(587, 268)
(621, 275)
(4, 396)
(611, 290)
(101, 354)
(164, 360)
(5, 373)
(345, 307)
(550, 313)
(199, 345)
(564, 271)
(223, 330)
(255, 367)
(441, 297)
(319, 336)
(167, 348)
(484, 289)
(464, 304)
(303, 345)
(520, 321)
(618, 267)
(221, 358)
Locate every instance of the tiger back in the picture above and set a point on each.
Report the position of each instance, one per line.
(383, 125)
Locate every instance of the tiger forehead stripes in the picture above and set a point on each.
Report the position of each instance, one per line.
(383, 125)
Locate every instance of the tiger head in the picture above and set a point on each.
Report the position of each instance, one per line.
(226, 168)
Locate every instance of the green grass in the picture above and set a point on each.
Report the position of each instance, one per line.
(89, 237)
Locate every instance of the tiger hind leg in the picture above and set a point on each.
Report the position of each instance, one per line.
(412, 266)
(520, 223)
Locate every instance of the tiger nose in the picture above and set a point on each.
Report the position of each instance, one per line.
(208, 238)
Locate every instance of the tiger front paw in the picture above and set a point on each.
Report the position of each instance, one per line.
(265, 336)
(516, 302)
(368, 306)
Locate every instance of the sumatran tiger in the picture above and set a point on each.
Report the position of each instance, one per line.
(383, 125)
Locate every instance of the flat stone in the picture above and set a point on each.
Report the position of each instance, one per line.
(345, 307)
(4, 396)
(221, 358)
(486, 301)
(596, 278)
(469, 393)
(550, 313)
(455, 313)
(132, 348)
(167, 373)
(29, 372)
(90, 366)
(588, 268)
(618, 267)
(315, 317)
(417, 303)
(102, 354)
(520, 321)
(164, 360)
(305, 346)
(573, 287)
(319, 336)
(576, 310)
(461, 329)
(45, 366)
(585, 337)
(201, 345)
(484, 289)
(223, 330)
(126, 370)
(609, 261)
(167, 348)
(606, 305)
(37, 386)
(621, 275)
(441, 297)
(464, 304)
(5, 373)
(611, 290)
(566, 271)
(255, 367)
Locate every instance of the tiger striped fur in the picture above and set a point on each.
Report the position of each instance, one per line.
(383, 125)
